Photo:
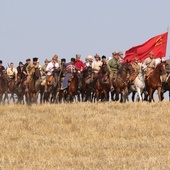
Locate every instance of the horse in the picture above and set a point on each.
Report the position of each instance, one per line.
(121, 81)
(3, 87)
(12, 88)
(153, 82)
(20, 89)
(166, 81)
(32, 94)
(138, 84)
(53, 86)
(87, 75)
(76, 87)
(102, 84)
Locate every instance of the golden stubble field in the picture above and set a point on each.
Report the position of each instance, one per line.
(85, 136)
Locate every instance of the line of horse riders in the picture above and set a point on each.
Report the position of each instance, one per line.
(102, 79)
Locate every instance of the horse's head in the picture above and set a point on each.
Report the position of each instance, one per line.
(160, 67)
(104, 69)
(37, 73)
(4, 74)
(87, 72)
(128, 68)
(56, 71)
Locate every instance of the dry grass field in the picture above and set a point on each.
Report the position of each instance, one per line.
(85, 136)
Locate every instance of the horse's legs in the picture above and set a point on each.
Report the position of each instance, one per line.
(151, 92)
(139, 94)
(160, 94)
(125, 95)
(133, 95)
(97, 95)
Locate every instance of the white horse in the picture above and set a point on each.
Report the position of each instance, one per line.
(139, 82)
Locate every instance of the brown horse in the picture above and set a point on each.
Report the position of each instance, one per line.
(102, 84)
(76, 87)
(34, 89)
(3, 87)
(121, 81)
(12, 88)
(153, 82)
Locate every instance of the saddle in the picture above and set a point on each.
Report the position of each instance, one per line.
(50, 79)
(148, 73)
(133, 76)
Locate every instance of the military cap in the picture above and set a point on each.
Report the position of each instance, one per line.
(73, 59)
(20, 62)
(35, 59)
(63, 60)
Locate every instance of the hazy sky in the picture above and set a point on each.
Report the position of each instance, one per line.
(65, 27)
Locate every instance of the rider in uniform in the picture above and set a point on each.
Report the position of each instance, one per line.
(113, 66)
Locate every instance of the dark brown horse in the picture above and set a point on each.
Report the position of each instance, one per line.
(166, 81)
(121, 81)
(87, 75)
(53, 86)
(153, 82)
(3, 87)
(20, 90)
(102, 84)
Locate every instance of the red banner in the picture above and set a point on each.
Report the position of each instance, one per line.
(156, 44)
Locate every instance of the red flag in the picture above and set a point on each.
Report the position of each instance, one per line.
(156, 44)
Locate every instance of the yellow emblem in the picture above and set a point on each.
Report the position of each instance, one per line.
(158, 41)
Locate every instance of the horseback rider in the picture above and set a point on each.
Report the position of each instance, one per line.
(24, 71)
(70, 68)
(62, 66)
(78, 63)
(104, 61)
(113, 66)
(96, 64)
(43, 68)
(30, 70)
(11, 72)
(1, 67)
(121, 60)
(20, 71)
(136, 68)
(150, 63)
(50, 68)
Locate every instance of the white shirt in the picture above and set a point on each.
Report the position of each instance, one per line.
(96, 65)
(50, 68)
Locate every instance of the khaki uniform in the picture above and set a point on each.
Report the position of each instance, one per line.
(136, 68)
(30, 69)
